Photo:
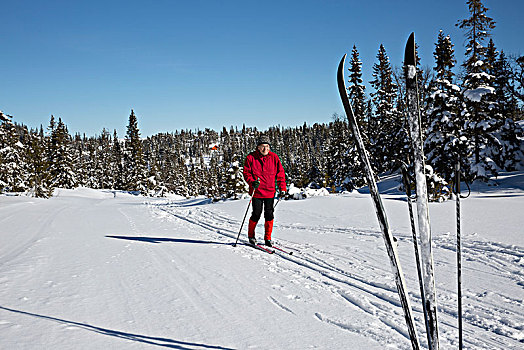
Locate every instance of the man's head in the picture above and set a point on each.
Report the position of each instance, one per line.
(263, 145)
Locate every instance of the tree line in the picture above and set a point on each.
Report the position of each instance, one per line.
(470, 117)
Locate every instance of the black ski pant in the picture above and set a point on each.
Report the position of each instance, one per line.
(267, 204)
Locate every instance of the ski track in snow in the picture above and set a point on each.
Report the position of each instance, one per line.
(371, 289)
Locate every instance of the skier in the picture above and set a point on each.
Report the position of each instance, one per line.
(261, 168)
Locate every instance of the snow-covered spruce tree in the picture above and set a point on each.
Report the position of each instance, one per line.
(180, 181)
(12, 160)
(155, 184)
(511, 137)
(275, 139)
(478, 95)
(318, 175)
(117, 164)
(235, 180)
(134, 165)
(192, 181)
(362, 110)
(156, 159)
(505, 109)
(357, 92)
(81, 160)
(517, 79)
(104, 172)
(444, 145)
(60, 155)
(339, 166)
(212, 177)
(386, 141)
(504, 87)
(39, 178)
(92, 163)
(289, 154)
(305, 156)
(202, 173)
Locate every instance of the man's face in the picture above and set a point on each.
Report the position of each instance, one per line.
(264, 149)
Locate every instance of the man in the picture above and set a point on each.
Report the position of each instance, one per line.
(261, 168)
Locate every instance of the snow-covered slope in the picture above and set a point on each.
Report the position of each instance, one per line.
(99, 269)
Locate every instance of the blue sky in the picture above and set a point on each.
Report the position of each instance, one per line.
(208, 64)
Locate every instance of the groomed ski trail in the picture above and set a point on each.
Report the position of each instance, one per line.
(361, 279)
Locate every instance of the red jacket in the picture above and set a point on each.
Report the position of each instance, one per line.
(267, 169)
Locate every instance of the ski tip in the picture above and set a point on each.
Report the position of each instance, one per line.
(340, 70)
(340, 78)
(409, 53)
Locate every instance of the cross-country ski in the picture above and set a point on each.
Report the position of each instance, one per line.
(424, 229)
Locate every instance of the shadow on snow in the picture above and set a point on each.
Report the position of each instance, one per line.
(163, 342)
(161, 240)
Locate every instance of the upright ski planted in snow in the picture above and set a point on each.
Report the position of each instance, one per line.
(426, 255)
(379, 208)
(407, 189)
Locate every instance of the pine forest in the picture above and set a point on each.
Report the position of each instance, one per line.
(470, 114)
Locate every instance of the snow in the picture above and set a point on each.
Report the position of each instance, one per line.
(476, 94)
(479, 63)
(91, 269)
(412, 71)
(302, 193)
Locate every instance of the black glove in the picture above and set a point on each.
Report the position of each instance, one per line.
(282, 194)
(256, 183)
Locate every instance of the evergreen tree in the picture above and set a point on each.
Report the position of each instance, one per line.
(212, 178)
(478, 92)
(339, 166)
(104, 173)
(61, 160)
(133, 157)
(517, 78)
(39, 178)
(235, 180)
(353, 167)
(387, 133)
(503, 84)
(12, 160)
(81, 160)
(181, 181)
(357, 90)
(506, 111)
(444, 144)
(117, 164)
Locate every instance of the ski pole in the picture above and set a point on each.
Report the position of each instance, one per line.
(245, 215)
(234, 245)
(459, 260)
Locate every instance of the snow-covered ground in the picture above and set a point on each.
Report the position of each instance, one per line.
(95, 269)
